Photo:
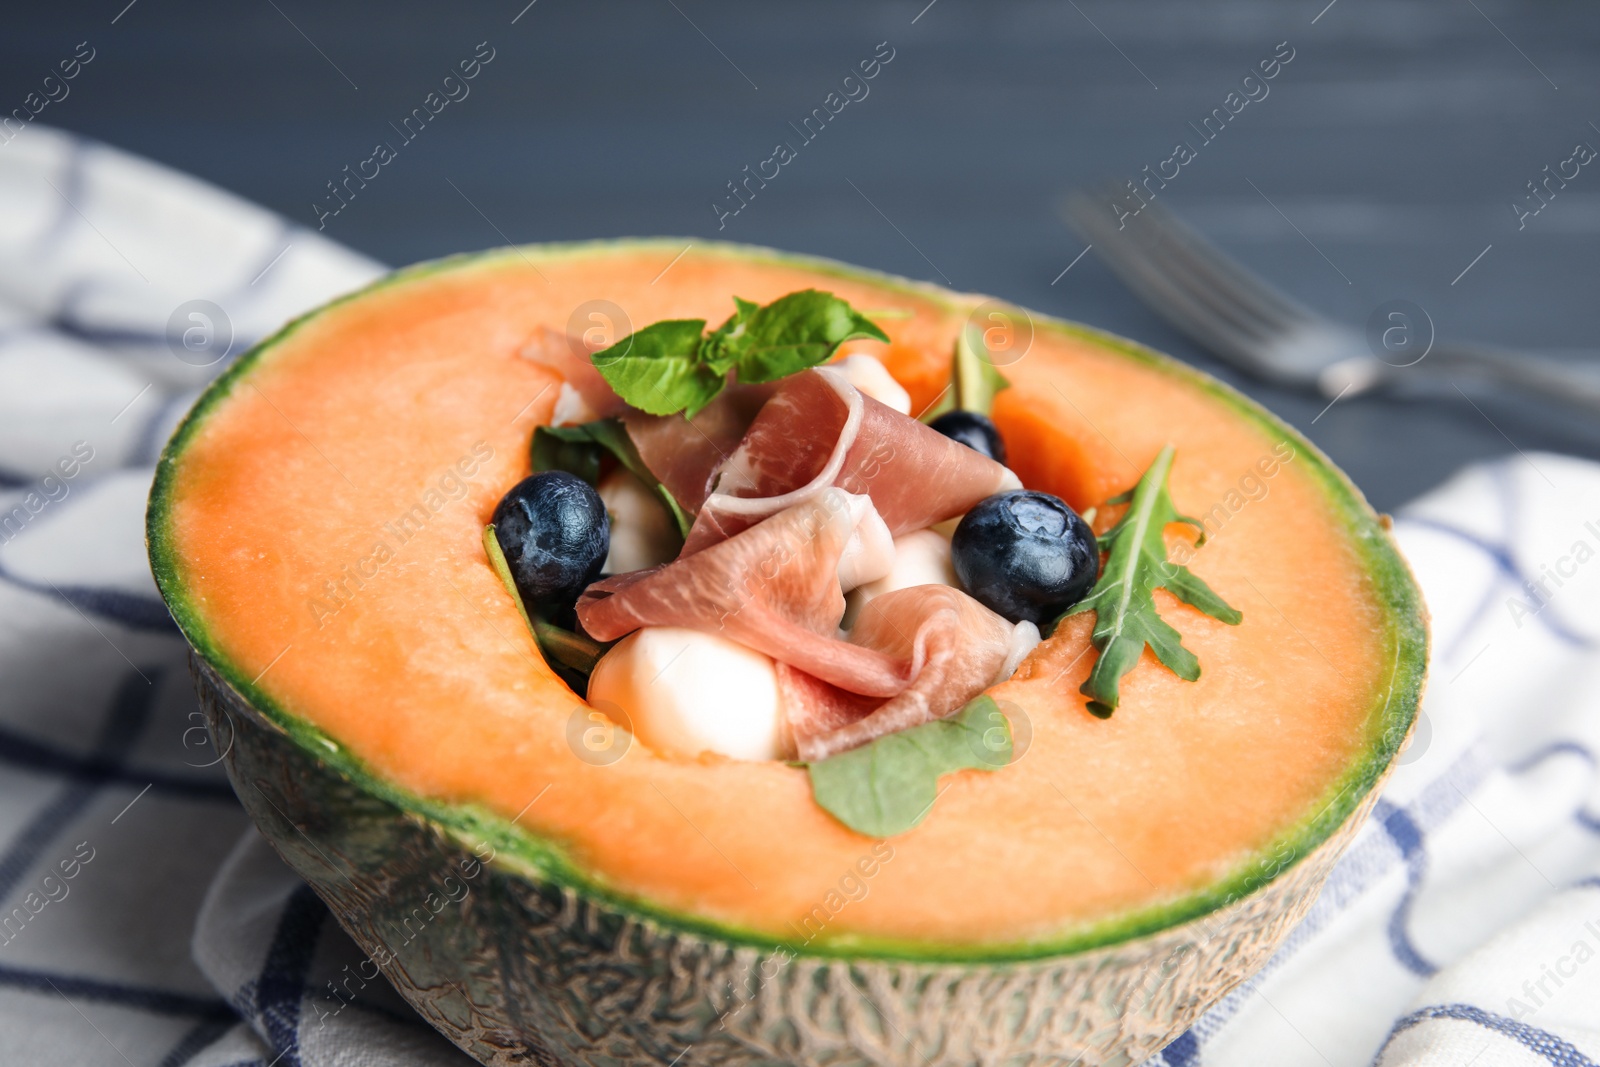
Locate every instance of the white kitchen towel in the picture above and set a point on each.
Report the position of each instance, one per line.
(1463, 926)
(124, 287)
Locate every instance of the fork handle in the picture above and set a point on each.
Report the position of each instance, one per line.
(1531, 375)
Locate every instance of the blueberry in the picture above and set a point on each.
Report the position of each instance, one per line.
(1025, 555)
(555, 533)
(973, 430)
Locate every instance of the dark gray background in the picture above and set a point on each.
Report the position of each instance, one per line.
(1396, 141)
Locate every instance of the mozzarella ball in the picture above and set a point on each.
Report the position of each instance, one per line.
(571, 408)
(868, 374)
(687, 692)
(1025, 637)
(920, 558)
(642, 531)
(870, 552)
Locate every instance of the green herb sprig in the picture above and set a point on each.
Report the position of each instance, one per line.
(578, 450)
(674, 365)
(570, 654)
(974, 381)
(888, 786)
(1136, 565)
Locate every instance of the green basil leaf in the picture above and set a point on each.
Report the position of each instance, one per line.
(668, 367)
(659, 369)
(792, 333)
(721, 349)
(1125, 609)
(888, 786)
(552, 444)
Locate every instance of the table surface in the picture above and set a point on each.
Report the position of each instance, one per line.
(1384, 159)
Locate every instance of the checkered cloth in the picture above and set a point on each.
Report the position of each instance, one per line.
(144, 923)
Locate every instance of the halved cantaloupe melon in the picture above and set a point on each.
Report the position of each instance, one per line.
(315, 528)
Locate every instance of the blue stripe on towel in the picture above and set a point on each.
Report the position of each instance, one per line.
(133, 610)
(1502, 558)
(1558, 1052)
(157, 427)
(130, 711)
(118, 994)
(282, 986)
(66, 218)
(1555, 748)
(1182, 1051)
(1408, 838)
(1585, 819)
(203, 1034)
(40, 758)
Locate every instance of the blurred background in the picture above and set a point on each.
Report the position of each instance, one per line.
(1383, 164)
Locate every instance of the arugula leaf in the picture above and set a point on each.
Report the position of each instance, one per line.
(888, 786)
(577, 450)
(974, 381)
(567, 448)
(975, 376)
(659, 368)
(792, 333)
(669, 367)
(570, 653)
(1125, 610)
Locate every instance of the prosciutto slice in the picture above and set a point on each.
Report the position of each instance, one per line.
(775, 588)
(684, 454)
(818, 431)
(953, 649)
(585, 395)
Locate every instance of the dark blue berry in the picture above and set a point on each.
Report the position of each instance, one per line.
(1025, 555)
(555, 533)
(973, 430)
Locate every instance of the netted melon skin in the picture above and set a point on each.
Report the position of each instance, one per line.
(518, 972)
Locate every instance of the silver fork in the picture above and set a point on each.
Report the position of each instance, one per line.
(1241, 319)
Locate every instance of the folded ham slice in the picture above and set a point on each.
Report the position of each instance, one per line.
(585, 395)
(953, 646)
(816, 431)
(684, 454)
(774, 588)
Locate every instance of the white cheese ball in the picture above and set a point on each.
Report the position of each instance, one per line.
(642, 531)
(870, 552)
(920, 558)
(1025, 637)
(868, 374)
(571, 408)
(688, 692)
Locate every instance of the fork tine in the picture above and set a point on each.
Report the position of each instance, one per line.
(1231, 282)
(1189, 262)
(1190, 282)
(1159, 289)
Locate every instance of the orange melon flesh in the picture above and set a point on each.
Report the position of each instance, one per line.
(366, 412)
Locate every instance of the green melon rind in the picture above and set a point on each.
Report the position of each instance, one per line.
(1405, 640)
